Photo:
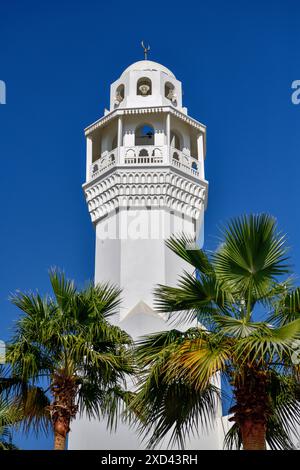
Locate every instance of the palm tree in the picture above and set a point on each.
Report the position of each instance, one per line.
(245, 326)
(67, 344)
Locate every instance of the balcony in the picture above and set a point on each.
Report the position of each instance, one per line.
(184, 162)
(104, 163)
(148, 155)
(144, 155)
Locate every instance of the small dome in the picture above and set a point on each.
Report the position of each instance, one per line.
(147, 66)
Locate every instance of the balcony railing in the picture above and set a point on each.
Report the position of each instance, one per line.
(143, 154)
(102, 164)
(149, 155)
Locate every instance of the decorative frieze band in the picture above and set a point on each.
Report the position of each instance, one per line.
(124, 189)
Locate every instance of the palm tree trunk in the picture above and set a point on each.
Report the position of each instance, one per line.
(59, 442)
(63, 409)
(61, 429)
(253, 435)
(252, 407)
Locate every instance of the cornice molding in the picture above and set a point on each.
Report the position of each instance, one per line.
(147, 110)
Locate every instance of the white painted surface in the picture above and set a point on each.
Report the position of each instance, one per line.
(136, 201)
(93, 434)
(159, 76)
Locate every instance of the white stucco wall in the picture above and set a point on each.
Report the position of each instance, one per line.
(159, 76)
(137, 265)
(135, 205)
(92, 434)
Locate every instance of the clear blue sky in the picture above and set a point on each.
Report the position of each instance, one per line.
(236, 59)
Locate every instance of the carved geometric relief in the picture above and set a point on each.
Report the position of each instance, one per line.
(139, 189)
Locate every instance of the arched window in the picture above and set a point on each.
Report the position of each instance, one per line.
(170, 91)
(144, 87)
(120, 93)
(176, 156)
(144, 135)
(175, 141)
(194, 166)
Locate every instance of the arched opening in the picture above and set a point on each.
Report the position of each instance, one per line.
(120, 93)
(144, 135)
(144, 87)
(114, 142)
(176, 141)
(176, 156)
(194, 149)
(170, 92)
(145, 156)
(194, 166)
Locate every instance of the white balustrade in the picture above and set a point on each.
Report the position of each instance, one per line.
(106, 161)
(146, 155)
(186, 163)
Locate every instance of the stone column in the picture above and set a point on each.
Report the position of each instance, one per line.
(200, 151)
(168, 129)
(168, 135)
(89, 157)
(120, 135)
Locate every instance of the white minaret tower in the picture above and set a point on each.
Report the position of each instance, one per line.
(144, 181)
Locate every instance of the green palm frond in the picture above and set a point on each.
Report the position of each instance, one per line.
(174, 407)
(68, 337)
(150, 346)
(198, 360)
(105, 361)
(104, 300)
(185, 247)
(168, 399)
(194, 355)
(90, 397)
(238, 327)
(195, 298)
(28, 360)
(233, 438)
(271, 343)
(111, 404)
(116, 406)
(287, 308)
(29, 401)
(277, 437)
(292, 304)
(252, 255)
(285, 396)
(34, 405)
(64, 290)
(33, 305)
(10, 417)
(9, 414)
